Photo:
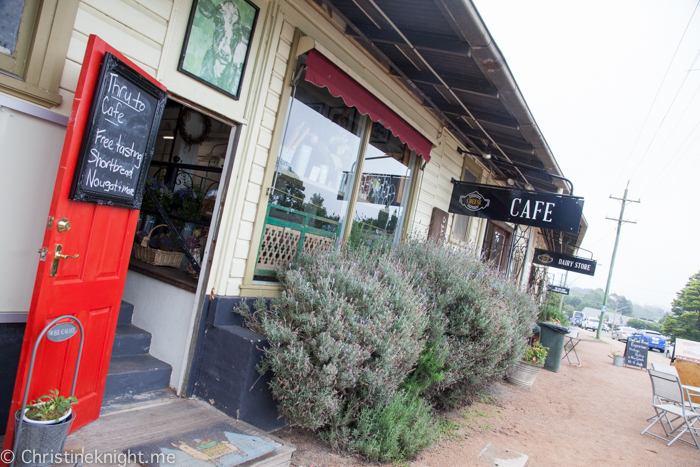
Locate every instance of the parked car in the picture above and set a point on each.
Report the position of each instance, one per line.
(577, 318)
(590, 324)
(622, 333)
(654, 339)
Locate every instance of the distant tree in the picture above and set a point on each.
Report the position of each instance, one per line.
(621, 303)
(683, 326)
(688, 299)
(641, 324)
(575, 302)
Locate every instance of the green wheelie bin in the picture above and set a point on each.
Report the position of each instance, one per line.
(552, 336)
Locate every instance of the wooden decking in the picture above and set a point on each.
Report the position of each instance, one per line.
(117, 431)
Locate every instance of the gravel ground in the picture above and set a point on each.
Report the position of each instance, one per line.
(586, 415)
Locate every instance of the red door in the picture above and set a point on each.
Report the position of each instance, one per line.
(89, 287)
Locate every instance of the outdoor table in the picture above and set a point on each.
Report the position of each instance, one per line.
(569, 347)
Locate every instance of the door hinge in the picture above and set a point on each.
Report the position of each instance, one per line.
(42, 253)
(49, 224)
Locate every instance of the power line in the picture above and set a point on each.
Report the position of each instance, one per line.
(673, 130)
(641, 129)
(662, 173)
(668, 110)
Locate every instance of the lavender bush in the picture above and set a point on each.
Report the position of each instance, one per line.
(479, 320)
(360, 336)
(343, 337)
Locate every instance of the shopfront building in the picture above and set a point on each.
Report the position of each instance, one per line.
(331, 124)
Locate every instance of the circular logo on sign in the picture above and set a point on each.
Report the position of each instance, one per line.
(474, 201)
(545, 258)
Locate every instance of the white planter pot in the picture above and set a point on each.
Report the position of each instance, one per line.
(524, 374)
(618, 360)
(45, 422)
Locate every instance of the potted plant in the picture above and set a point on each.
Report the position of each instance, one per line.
(529, 366)
(43, 429)
(618, 358)
(49, 409)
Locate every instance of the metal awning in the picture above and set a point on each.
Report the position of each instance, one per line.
(442, 51)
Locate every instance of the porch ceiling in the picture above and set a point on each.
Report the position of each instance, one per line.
(443, 52)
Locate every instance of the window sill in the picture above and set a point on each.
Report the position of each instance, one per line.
(175, 277)
(261, 289)
(34, 94)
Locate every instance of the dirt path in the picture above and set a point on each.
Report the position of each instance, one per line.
(581, 416)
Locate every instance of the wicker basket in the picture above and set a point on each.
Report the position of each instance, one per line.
(145, 253)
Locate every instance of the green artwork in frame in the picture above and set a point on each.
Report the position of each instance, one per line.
(217, 43)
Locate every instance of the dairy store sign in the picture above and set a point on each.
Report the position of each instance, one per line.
(560, 261)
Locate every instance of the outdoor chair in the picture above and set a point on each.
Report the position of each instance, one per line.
(672, 370)
(668, 400)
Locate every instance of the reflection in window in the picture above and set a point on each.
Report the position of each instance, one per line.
(314, 178)
(384, 187)
(9, 25)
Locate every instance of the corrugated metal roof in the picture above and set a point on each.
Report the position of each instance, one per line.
(443, 51)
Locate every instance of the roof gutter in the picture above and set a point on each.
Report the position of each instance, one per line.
(465, 18)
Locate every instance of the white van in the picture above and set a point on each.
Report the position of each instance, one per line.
(590, 324)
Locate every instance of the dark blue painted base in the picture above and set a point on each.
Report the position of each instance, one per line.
(226, 375)
(11, 336)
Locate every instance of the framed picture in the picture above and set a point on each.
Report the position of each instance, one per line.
(343, 116)
(380, 134)
(217, 43)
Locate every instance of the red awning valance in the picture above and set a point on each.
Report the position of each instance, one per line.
(321, 72)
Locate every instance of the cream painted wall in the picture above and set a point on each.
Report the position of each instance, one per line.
(29, 155)
(164, 311)
(137, 28)
(255, 156)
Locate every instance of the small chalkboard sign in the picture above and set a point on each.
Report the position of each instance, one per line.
(636, 352)
(119, 138)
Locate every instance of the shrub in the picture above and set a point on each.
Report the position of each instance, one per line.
(364, 342)
(479, 319)
(396, 431)
(343, 337)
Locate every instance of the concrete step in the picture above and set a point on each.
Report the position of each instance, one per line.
(131, 375)
(130, 340)
(126, 311)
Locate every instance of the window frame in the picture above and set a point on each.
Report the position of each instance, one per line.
(463, 237)
(254, 288)
(42, 45)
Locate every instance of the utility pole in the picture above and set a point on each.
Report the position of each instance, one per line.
(561, 299)
(620, 221)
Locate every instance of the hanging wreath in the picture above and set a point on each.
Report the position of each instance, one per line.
(190, 140)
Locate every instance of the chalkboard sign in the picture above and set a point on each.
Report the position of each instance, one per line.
(636, 352)
(119, 138)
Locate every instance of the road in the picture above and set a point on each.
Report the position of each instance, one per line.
(653, 355)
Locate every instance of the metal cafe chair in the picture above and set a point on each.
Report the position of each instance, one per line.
(668, 400)
(570, 347)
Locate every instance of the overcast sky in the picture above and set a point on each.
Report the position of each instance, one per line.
(590, 73)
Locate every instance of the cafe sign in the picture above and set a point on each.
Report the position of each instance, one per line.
(539, 209)
(566, 262)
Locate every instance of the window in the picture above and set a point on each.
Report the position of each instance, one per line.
(460, 225)
(496, 246)
(384, 187)
(316, 191)
(34, 37)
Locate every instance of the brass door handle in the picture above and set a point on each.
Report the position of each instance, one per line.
(58, 256)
